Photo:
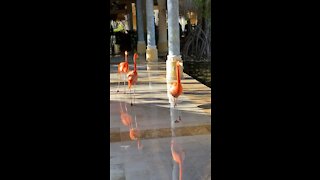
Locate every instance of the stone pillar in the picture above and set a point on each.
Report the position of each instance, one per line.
(174, 44)
(134, 17)
(162, 42)
(144, 15)
(173, 27)
(141, 45)
(129, 9)
(152, 52)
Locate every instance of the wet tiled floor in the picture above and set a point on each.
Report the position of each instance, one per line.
(148, 141)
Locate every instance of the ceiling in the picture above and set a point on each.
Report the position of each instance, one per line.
(118, 7)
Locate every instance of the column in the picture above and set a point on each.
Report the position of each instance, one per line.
(141, 46)
(129, 9)
(144, 15)
(134, 17)
(152, 52)
(162, 42)
(174, 43)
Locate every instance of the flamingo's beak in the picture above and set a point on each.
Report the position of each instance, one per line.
(179, 63)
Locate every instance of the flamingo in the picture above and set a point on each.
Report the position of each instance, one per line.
(123, 68)
(133, 76)
(176, 87)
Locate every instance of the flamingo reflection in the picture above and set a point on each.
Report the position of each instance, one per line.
(177, 152)
(178, 155)
(126, 119)
(134, 132)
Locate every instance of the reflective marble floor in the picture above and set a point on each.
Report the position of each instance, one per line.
(150, 140)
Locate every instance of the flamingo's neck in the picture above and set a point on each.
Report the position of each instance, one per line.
(126, 56)
(135, 64)
(178, 73)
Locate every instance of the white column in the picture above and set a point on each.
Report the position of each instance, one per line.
(129, 8)
(141, 46)
(151, 52)
(163, 38)
(174, 44)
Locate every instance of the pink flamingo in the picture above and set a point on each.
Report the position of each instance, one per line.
(176, 87)
(123, 68)
(133, 76)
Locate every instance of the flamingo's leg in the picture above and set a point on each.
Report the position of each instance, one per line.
(134, 94)
(119, 76)
(124, 84)
(131, 97)
(179, 115)
(174, 102)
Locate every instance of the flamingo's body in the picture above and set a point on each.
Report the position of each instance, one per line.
(123, 68)
(132, 78)
(133, 75)
(176, 87)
